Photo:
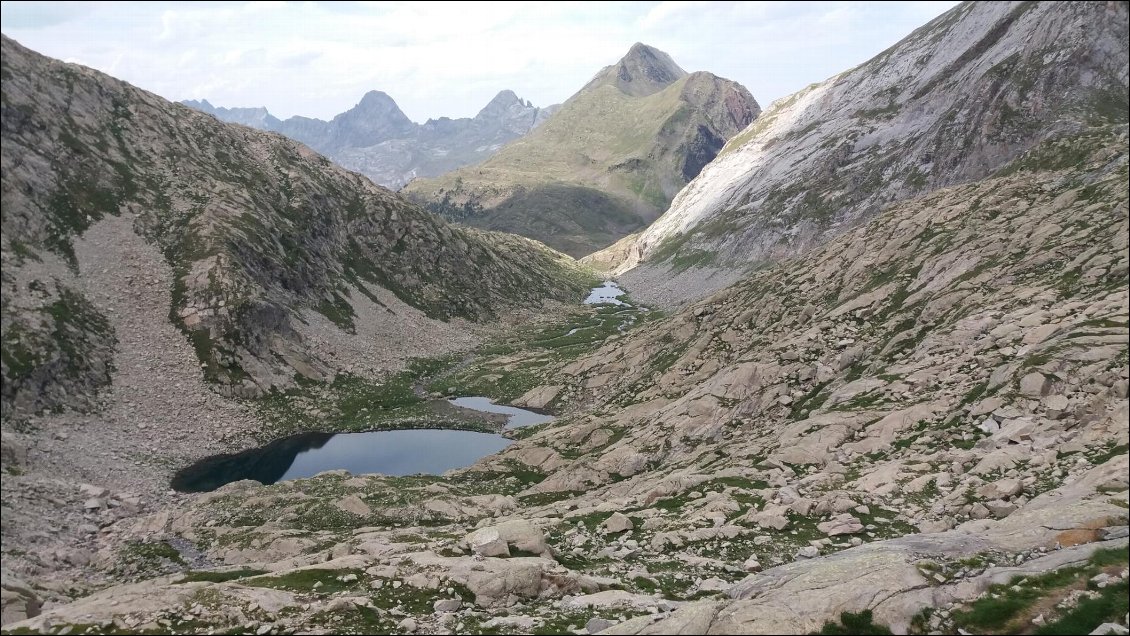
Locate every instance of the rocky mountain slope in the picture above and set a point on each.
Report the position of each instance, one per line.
(919, 423)
(922, 424)
(267, 243)
(951, 103)
(607, 163)
(378, 140)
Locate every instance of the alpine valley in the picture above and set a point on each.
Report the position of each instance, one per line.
(856, 364)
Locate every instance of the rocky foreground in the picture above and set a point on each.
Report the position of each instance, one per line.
(916, 426)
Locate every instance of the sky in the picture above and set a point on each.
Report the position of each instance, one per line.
(438, 59)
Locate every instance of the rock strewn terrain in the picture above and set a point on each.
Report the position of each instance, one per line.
(933, 405)
(951, 103)
(920, 424)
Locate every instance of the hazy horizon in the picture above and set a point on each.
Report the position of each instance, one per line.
(317, 59)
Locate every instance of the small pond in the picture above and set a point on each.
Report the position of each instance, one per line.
(430, 451)
(517, 417)
(607, 294)
(404, 452)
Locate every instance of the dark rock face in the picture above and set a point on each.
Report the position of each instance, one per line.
(701, 150)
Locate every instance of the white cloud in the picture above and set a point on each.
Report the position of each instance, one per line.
(442, 58)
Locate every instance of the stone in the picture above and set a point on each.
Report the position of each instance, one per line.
(89, 490)
(988, 405)
(1001, 489)
(1110, 628)
(1102, 579)
(13, 453)
(751, 565)
(617, 523)
(1034, 384)
(408, 626)
(488, 542)
(808, 552)
(842, 524)
(1000, 509)
(1114, 532)
(1015, 430)
(354, 505)
(518, 534)
(447, 605)
(597, 625)
(774, 517)
(538, 397)
(989, 425)
(713, 584)
(17, 601)
(1056, 405)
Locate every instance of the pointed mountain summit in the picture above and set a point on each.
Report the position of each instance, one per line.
(645, 70)
(501, 103)
(509, 113)
(376, 104)
(607, 163)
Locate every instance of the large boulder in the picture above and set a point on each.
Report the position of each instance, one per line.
(617, 523)
(500, 540)
(17, 600)
(841, 524)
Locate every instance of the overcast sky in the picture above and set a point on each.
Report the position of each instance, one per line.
(436, 59)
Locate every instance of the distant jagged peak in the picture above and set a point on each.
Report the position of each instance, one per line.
(645, 70)
(379, 103)
(203, 104)
(505, 104)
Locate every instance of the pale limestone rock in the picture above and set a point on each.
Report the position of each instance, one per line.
(488, 542)
(1034, 384)
(538, 397)
(518, 534)
(842, 524)
(354, 505)
(617, 523)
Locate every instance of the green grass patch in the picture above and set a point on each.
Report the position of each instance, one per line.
(216, 576)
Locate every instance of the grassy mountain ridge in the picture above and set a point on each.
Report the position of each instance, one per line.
(636, 141)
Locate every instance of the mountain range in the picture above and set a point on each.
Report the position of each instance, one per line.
(869, 371)
(604, 165)
(378, 140)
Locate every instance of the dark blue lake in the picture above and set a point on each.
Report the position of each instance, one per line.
(429, 451)
(403, 452)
